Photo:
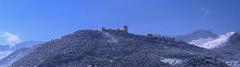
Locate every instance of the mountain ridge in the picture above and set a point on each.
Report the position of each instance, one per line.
(117, 49)
(198, 34)
(214, 42)
(226, 45)
(16, 52)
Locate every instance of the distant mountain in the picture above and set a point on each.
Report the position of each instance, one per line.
(5, 50)
(27, 44)
(199, 34)
(114, 48)
(12, 54)
(211, 43)
(234, 38)
(227, 45)
(231, 50)
(4, 54)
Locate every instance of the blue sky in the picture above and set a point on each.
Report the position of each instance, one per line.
(49, 19)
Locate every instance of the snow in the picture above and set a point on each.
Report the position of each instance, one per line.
(210, 43)
(220, 41)
(200, 41)
(171, 61)
(4, 54)
(233, 63)
(11, 60)
(112, 39)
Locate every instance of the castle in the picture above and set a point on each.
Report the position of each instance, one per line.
(124, 28)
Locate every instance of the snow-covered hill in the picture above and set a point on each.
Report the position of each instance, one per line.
(200, 41)
(12, 54)
(211, 43)
(226, 45)
(115, 48)
(4, 54)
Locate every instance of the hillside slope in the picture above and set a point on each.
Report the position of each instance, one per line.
(112, 48)
(14, 56)
(16, 52)
(231, 51)
(227, 45)
(211, 43)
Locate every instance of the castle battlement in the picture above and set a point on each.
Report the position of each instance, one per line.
(124, 28)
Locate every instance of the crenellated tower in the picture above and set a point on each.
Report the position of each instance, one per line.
(124, 28)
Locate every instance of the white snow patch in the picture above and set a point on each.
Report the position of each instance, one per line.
(233, 63)
(172, 61)
(200, 41)
(4, 54)
(11, 60)
(211, 43)
(220, 41)
(112, 39)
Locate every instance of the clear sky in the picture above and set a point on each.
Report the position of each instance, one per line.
(49, 19)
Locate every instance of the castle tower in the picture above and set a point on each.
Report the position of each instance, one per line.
(125, 28)
(103, 29)
(149, 35)
(118, 29)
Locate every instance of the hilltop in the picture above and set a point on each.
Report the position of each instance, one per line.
(117, 48)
